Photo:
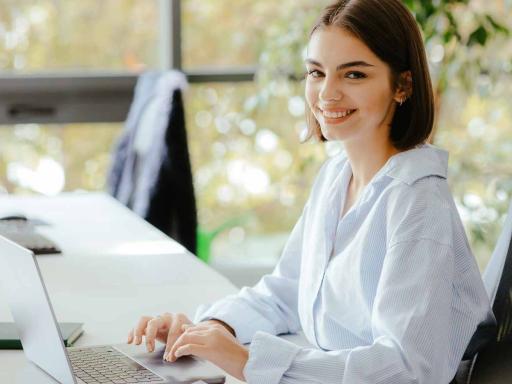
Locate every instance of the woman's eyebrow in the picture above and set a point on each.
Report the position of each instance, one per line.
(358, 63)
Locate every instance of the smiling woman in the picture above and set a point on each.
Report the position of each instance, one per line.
(375, 71)
(352, 98)
(377, 272)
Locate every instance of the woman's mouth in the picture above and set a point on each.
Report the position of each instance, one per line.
(337, 117)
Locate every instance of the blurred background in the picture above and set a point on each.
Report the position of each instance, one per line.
(244, 107)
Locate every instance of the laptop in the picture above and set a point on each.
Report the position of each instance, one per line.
(31, 309)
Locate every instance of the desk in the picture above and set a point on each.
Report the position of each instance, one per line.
(114, 268)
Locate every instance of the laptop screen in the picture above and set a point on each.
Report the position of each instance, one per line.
(32, 312)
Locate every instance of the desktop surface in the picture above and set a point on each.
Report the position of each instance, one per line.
(114, 268)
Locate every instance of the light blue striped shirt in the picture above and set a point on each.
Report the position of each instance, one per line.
(388, 293)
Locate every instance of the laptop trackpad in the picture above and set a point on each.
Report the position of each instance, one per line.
(186, 369)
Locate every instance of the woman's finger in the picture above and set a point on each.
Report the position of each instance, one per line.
(140, 330)
(130, 336)
(152, 328)
(192, 349)
(185, 338)
(192, 327)
(175, 331)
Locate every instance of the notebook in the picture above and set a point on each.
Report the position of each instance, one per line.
(9, 338)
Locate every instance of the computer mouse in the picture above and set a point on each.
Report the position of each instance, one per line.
(14, 217)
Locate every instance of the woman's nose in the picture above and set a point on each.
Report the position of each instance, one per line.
(330, 91)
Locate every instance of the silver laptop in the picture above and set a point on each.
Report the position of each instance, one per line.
(40, 336)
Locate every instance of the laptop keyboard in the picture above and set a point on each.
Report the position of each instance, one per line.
(106, 365)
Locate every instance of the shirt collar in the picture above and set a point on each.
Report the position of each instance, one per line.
(417, 163)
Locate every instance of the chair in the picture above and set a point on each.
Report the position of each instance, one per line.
(151, 172)
(491, 348)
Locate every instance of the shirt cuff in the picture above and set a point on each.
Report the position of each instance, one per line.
(269, 358)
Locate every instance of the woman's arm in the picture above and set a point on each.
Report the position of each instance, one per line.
(271, 305)
(414, 341)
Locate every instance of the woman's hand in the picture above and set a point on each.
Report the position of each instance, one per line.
(212, 341)
(166, 328)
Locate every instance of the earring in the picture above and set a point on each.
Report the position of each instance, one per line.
(402, 100)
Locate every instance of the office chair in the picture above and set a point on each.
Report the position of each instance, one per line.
(491, 347)
(151, 172)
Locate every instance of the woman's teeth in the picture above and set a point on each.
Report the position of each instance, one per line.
(335, 115)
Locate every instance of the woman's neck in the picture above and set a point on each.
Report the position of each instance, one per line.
(366, 160)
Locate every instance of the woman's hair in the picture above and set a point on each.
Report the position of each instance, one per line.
(390, 31)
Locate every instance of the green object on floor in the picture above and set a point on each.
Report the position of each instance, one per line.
(205, 238)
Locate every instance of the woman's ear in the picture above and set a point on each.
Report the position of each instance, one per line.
(404, 89)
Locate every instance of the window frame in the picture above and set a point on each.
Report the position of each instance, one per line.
(100, 96)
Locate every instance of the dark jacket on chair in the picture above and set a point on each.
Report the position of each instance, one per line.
(151, 171)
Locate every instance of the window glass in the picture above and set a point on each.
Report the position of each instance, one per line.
(225, 33)
(252, 175)
(51, 35)
(48, 159)
(220, 33)
(479, 140)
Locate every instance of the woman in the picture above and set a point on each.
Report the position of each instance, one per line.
(377, 272)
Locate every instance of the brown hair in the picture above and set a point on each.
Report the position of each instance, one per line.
(390, 31)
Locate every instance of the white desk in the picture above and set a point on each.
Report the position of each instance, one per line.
(114, 268)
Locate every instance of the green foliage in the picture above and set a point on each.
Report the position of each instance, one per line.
(455, 25)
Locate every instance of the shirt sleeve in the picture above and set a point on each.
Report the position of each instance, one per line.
(271, 305)
(410, 324)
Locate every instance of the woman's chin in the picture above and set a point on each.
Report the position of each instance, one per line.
(333, 133)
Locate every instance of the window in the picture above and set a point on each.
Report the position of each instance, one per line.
(53, 57)
(50, 158)
(61, 35)
(68, 71)
(249, 166)
(236, 41)
(480, 144)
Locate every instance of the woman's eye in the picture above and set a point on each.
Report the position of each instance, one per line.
(314, 73)
(355, 75)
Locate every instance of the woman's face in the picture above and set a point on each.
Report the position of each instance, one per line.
(348, 88)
